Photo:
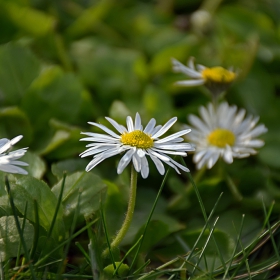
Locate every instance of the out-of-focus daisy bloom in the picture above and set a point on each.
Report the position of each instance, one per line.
(9, 160)
(137, 143)
(216, 79)
(224, 132)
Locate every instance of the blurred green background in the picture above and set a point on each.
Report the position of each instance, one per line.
(64, 63)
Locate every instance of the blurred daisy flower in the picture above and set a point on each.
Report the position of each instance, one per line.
(216, 79)
(9, 161)
(225, 133)
(137, 143)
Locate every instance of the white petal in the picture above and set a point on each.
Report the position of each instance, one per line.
(136, 162)
(156, 129)
(227, 156)
(165, 128)
(141, 152)
(125, 160)
(129, 124)
(93, 163)
(190, 83)
(12, 169)
(137, 122)
(179, 67)
(144, 167)
(150, 126)
(120, 128)
(198, 123)
(103, 127)
(158, 155)
(181, 153)
(16, 139)
(212, 160)
(178, 147)
(173, 136)
(159, 165)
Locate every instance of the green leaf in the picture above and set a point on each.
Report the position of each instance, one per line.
(156, 231)
(37, 166)
(52, 95)
(69, 166)
(14, 122)
(10, 239)
(91, 188)
(144, 203)
(114, 207)
(18, 68)
(27, 189)
(28, 19)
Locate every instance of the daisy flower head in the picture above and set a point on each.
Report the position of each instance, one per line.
(137, 144)
(9, 160)
(216, 79)
(224, 132)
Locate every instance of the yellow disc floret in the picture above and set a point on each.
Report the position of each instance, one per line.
(138, 139)
(218, 75)
(221, 137)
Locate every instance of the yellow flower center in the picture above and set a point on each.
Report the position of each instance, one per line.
(138, 139)
(218, 75)
(221, 137)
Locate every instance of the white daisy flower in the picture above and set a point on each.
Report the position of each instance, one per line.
(9, 161)
(225, 133)
(137, 143)
(216, 79)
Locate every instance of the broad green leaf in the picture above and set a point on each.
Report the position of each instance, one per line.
(69, 166)
(18, 68)
(52, 95)
(89, 186)
(28, 19)
(26, 190)
(120, 67)
(36, 167)
(156, 231)
(13, 122)
(89, 18)
(268, 153)
(114, 207)
(10, 238)
(144, 203)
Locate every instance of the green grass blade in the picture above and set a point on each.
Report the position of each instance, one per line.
(65, 242)
(23, 225)
(36, 231)
(18, 228)
(204, 247)
(149, 218)
(234, 251)
(107, 237)
(59, 201)
(267, 215)
(127, 253)
(85, 254)
(67, 245)
(203, 211)
(205, 226)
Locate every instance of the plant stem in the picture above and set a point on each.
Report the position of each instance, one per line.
(130, 211)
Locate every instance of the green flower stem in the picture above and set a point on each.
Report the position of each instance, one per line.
(233, 189)
(130, 211)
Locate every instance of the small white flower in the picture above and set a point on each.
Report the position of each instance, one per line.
(225, 133)
(9, 161)
(216, 79)
(137, 143)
